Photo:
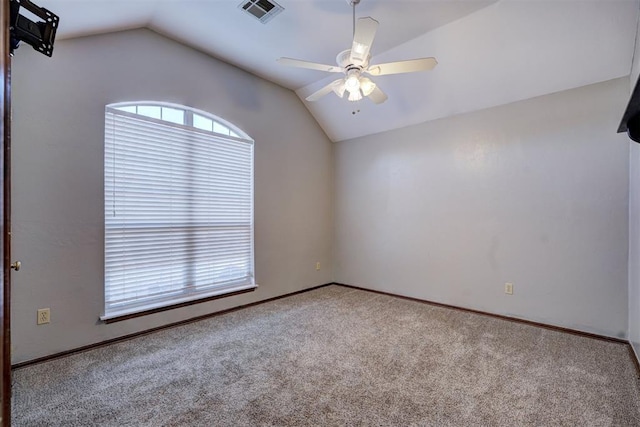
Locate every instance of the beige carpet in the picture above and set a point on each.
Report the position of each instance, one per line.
(337, 356)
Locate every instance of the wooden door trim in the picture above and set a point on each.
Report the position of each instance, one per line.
(5, 318)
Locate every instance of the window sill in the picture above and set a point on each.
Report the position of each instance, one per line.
(127, 316)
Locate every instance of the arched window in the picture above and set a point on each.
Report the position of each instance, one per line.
(178, 191)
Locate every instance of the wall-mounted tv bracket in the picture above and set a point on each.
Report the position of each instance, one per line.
(40, 35)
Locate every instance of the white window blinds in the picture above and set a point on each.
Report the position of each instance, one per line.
(178, 213)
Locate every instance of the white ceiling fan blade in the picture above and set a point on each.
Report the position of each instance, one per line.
(310, 65)
(410, 66)
(378, 96)
(325, 90)
(363, 39)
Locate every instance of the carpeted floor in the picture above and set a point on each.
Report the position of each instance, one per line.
(337, 356)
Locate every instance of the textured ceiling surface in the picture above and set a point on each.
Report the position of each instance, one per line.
(489, 52)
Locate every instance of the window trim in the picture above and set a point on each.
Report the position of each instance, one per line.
(239, 136)
(200, 300)
(189, 112)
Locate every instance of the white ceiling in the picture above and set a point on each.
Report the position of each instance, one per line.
(489, 53)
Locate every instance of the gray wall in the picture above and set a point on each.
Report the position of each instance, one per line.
(58, 126)
(534, 193)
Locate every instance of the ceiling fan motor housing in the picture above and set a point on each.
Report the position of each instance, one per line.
(344, 60)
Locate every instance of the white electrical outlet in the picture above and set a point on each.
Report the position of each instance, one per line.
(44, 316)
(508, 288)
(318, 265)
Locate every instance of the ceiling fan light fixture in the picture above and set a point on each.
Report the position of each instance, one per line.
(352, 83)
(339, 89)
(355, 96)
(367, 86)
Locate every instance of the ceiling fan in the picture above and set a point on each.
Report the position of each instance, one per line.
(354, 63)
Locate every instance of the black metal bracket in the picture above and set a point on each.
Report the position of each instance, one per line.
(40, 35)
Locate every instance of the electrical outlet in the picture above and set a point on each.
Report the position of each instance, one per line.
(508, 288)
(318, 265)
(44, 316)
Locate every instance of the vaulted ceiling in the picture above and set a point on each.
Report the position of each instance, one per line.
(489, 52)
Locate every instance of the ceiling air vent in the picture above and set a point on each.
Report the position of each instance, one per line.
(262, 10)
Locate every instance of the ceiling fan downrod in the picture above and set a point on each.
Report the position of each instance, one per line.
(353, 4)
